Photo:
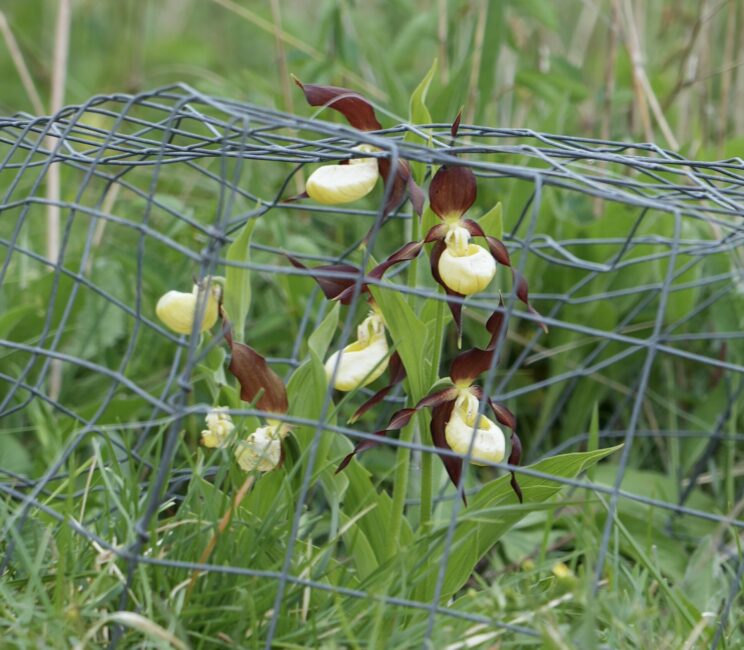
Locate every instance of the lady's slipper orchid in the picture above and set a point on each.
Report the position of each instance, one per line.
(338, 282)
(455, 422)
(219, 428)
(466, 429)
(178, 309)
(465, 268)
(262, 450)
(334, 185)
(362, 361)
(460, 267)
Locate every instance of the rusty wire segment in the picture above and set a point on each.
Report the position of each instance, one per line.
(129, 144)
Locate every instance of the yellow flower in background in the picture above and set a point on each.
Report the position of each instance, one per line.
(335, 184)
(562, 571)
(219, 428)
(464, 267)
(565, 578)
(488, 442)
(262, 450)
(177, 310)
(362, 361)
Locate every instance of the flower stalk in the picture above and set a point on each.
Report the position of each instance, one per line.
(427, 460)
(221, 527)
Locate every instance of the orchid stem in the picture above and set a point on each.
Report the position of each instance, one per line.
(427, 482)
(427, 462)
(400, 488)
(415, 236)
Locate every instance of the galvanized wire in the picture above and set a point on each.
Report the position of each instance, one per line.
(129, 143)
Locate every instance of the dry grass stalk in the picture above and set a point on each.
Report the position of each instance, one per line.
(20, 65)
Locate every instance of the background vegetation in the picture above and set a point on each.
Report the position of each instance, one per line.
(670, 72)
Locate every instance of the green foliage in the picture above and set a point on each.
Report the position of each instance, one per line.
(409, 335)
(237, 297)
(495, 510)
(418, 113)
(493, 222)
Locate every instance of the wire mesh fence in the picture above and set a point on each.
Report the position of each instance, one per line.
(634, 259)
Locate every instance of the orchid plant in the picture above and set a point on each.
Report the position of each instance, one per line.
(460, 267)
(376, 531)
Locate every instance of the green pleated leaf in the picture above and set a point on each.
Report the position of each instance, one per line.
(321, 338)
(492, 512)
(307, 389)
(410, 336)
(493, 222)
(418, 113)
(237, 296)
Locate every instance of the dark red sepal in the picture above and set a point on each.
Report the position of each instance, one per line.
(452, 191)
(523, 294)
(439, 418)
(334, 288)
(468, 365)
(296, 197)
(355, 108)
(494, 324)
(438, 398)
(402, 183)
(255, 376)
(456, 125)
(514, 458)
(503, 415)
(397, 373)
(401, 418)
(473, 227)
(496, 246)
(418, 198)
(398, 421)
(436, 233)
(405, 253)
(361, 446)
(454, 307)
(498, 250)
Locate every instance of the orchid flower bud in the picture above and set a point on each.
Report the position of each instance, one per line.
(219, 428)
(362, 361)
(262, 450)
(334, 184)
(489, 443)
(464, 267)
(177, 309)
